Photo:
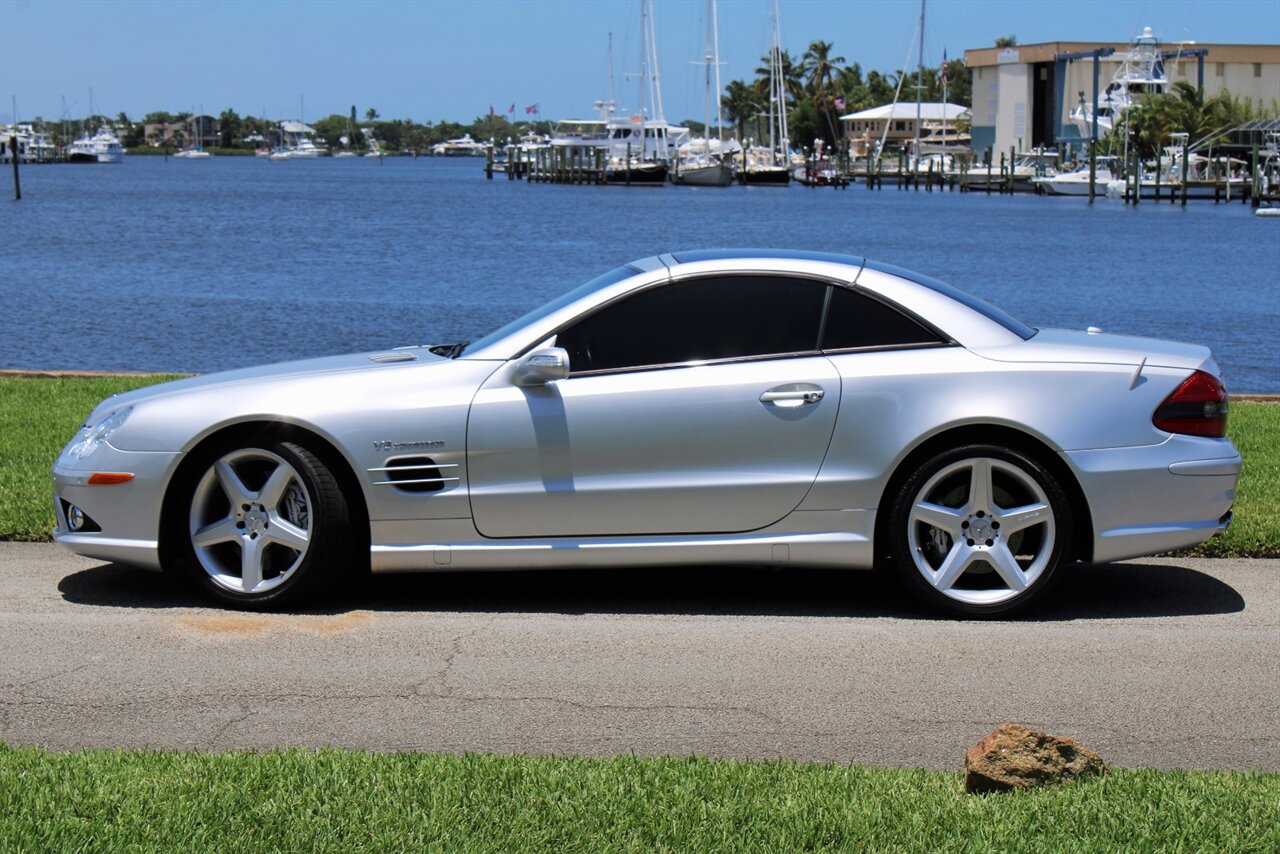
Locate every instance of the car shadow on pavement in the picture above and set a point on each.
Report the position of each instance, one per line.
(1105, 591)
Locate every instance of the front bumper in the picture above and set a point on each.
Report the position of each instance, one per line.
(1157, 498)
(123, 521)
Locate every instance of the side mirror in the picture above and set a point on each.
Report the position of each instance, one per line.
(542, 366)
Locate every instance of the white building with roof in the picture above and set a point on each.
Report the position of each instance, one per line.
(896, 124)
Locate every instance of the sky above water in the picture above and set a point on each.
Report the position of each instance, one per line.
(442, 59)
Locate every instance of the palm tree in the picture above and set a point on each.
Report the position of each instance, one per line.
(819, 67)
(371, 115)
(740, 104)
(792, 75)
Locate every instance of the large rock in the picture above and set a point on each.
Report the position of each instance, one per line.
(1014, 757)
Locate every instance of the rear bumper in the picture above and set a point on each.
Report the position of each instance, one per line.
(1157, 498)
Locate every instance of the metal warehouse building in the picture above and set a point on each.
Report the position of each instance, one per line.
(1014, 89)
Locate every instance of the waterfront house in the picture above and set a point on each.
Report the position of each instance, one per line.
(896, 125)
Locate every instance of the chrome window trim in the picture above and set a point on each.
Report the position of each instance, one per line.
(694, 363)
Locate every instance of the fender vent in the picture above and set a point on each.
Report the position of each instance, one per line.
(414, 474)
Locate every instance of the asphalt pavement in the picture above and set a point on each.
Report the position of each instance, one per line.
(1170, 663)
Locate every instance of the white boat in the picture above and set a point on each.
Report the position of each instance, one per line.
(103, 147)
(1141, 72)
(1027, 166)
(696, 164)
(1076, 182)
(463, 146)
(33, 145)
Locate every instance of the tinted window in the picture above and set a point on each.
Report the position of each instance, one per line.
(723, 317)
(857, 320)
(997, 315)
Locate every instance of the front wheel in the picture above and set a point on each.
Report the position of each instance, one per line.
(266, 524)
(979, 530)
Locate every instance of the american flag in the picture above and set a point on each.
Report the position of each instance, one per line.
(944, 66)
(840, 103)
(531, 110)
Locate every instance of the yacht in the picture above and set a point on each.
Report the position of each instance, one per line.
(771, 166)
(1141, 72)
(1027, 166)
(103, 147)
(463, 146)
(697, 164)
(33, 145)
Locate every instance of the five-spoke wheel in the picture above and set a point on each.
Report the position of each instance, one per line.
(263, 520)
(979, 530)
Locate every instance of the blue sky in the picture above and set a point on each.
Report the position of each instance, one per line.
(441, 59)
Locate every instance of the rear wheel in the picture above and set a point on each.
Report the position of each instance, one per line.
(979, 530)
(265, 524)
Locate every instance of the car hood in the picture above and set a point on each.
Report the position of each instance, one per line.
(1097, 348)
(378, 360)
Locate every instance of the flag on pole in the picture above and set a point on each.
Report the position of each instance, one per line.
(531, 110)
(944, 66)
(840, 103)
(512, 109)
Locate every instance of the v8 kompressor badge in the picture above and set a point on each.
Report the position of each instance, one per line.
(420, 445)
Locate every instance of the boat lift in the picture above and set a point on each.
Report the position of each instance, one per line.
(1060, 70)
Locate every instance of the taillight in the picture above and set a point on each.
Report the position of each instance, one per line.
(1198, 407)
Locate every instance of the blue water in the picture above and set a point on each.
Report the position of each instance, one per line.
(199, 266)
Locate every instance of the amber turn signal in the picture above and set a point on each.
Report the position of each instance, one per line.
(110, 478)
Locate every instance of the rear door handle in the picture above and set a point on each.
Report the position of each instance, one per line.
(792, 396)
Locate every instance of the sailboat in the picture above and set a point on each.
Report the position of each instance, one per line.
(640, 148)
(699, 166)
(770, 167)
(196, 151)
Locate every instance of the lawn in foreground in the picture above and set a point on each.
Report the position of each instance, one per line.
(38, 416)
(334, 800)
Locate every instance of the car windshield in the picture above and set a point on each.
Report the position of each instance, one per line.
(599, 282)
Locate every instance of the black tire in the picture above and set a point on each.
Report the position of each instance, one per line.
(306, 543)
(941, 561)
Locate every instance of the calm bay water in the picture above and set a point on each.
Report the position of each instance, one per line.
(201, 266)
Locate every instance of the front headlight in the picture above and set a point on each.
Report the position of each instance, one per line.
(95, 434)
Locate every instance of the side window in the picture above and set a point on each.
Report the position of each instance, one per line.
(721, 317)
(857, 320)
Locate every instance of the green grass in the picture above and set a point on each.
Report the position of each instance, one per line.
(39, 415)
(330, 800)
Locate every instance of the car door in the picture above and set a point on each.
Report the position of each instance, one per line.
(694, 407)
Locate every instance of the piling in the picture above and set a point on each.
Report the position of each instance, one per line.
(13, 155)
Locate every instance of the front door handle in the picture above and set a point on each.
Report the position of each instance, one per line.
(792, 396)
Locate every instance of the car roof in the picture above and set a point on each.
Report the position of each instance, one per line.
(691, 256)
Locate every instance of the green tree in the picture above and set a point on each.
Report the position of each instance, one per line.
(371, 115)
(1007, 41)
(740, 105)
(819, 68)
(230, 128)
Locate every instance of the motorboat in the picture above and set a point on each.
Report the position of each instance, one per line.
(463, 146)
(1076, 182)
(103, 147)
(1026, 167)
(1141, 72)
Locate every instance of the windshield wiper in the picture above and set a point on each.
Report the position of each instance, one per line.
(449, 351)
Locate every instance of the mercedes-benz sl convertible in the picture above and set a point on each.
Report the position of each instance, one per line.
(710, 407)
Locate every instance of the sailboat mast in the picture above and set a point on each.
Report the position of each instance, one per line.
(919, 83)
(706, 91)
(644, 75)
(715, 30)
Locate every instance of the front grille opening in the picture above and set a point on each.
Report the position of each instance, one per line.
(415, 474)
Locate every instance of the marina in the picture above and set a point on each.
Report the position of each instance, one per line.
(325, 256)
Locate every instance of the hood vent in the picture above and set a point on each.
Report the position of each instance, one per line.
(393, 357)
(415, 474)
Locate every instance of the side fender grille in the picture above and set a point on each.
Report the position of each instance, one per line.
(415, 474)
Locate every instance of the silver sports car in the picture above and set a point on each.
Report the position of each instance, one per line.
(709, 407)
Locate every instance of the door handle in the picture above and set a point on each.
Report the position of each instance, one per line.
(792, 397)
